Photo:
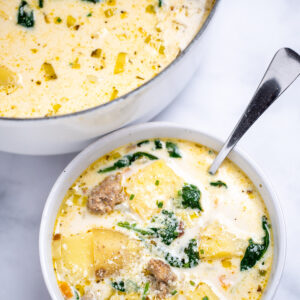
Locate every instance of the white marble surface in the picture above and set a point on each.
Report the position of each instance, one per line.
(243, 37)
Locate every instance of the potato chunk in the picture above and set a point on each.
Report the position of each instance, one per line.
(113, 250)
(77, 255)
(9, 80)
(156, 182)
(202, 291)
(217, 243)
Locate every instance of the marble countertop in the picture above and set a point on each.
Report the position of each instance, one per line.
(244, 35)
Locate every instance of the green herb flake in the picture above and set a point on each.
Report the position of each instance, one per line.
(255, 252)
(25, 15)
(173, 150)
(131, 197)
(192, 283)
(119, 286)
(205, 298)
(41, 3)
(219, 183)
(202, 251)
(159, 204)
(173, 292)
(191, 197)
(127, 160)
(145, 292)
(158, 144)
(159, 3)
(157, 182)
(143, 143)
(89, 14)
(58, 20)
(132, 227)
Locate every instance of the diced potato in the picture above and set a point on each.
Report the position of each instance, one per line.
(56, 249)
(113, 250)
(202, 291)
(77, 255)
(147, 193)
(217, 243)
(120, 63)
(7, 77)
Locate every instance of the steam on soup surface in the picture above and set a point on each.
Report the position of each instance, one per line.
(59, 57)
(147, 221)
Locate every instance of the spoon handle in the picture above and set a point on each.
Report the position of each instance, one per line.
(281, 73)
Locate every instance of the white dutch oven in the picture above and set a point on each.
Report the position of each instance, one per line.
(72, 132)
(147, 131)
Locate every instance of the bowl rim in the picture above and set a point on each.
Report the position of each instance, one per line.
(129, 134)
(134, 91)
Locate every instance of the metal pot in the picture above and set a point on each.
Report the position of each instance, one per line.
(72, 132)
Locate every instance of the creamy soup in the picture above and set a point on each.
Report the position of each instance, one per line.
(147, 221)
(58, 57)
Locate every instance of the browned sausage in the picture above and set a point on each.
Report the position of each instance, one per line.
(162, 275)
(103, 197)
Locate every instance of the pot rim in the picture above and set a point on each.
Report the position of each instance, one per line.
(132, 92)
(90, 154)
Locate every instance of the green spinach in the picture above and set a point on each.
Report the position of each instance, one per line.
(158, 144)
(191, 260)
(255, 252)
(127, 160)
(143, 143)
(25, 15)
(167, 227)
(191, 196)
(119, 286)
(173, 150)
(219, 183)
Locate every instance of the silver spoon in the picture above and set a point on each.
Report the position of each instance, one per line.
(281, 73)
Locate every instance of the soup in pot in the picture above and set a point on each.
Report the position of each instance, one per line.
(59, 57)
(147, 221)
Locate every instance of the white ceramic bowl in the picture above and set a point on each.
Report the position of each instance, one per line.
(147, 131)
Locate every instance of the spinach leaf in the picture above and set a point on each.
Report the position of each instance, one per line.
(219, 183)
(143, 143)
(25, 15)
(129, 226)
(119, 286)
(158, 144)
(41, 3)
(173, 150)
(167, 227)
(191, 260)
(127, 160)
(255, 252)
(191, 196)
